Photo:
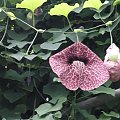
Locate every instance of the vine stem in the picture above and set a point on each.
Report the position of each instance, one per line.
(33, 18)
(32, 42)
(38, 91)
(95, 27)
(111, 38)
(23, 21)
(41, 31)
(4, 3)
(28, 24)
(5, 31)
(34, 105)
(72, 29)
(69, 24)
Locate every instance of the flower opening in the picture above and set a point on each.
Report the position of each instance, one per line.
(78, 67)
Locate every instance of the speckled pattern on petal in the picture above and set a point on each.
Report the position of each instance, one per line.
(78, 67)
(114, 70)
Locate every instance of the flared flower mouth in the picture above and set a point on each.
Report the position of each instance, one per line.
(78, 67)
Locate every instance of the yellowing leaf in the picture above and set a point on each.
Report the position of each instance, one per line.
(116, 2)
(30, 4)
(93, 4)
(11, 15)
(62, 9)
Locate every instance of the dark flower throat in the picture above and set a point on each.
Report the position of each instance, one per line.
(74, 58)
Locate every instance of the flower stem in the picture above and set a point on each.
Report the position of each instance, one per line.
(111, 38)
(72, 29)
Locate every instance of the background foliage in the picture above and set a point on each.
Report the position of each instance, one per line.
(30, 32)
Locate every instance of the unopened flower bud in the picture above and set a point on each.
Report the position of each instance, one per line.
(112, 62)
(112, 53)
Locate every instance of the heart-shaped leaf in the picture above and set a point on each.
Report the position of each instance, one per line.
(105, 90)
(116, 2)
(96, 4)
(30, 4)
(62, 9)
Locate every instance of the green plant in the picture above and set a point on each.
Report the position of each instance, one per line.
(30, 32)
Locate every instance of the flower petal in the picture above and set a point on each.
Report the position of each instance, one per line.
(94, 75)
(70, 78)
(86, 70)
(114, 70)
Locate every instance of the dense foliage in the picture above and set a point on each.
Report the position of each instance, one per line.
(30, 32)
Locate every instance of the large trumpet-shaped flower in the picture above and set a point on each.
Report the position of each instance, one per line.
(78, 67)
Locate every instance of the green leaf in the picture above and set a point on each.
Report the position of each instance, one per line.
(51, 46)
(62, 9)
(13, 114)
(78, 9)
(58, 37)
(105, 90)
(30, 4)
(103, 43)
(116, 2)
(102, 31)
(36, 48)
(13, 2)
(18, 36)
(43, 71)
(108, 83)
(30, 57)
(43, 109)
(104, 15)
(58, 114)
(112, 114)
(47, 117)
(73, 36)
(35, 117)
(13, 96)
(11, 15)
(103, 117)
(18, 56)
(47, 107)
(56, 91)
(13, 75)
(17, 43)
(96, 4)
(44, 56)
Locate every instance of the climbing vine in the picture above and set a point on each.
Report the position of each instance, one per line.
(31, 31)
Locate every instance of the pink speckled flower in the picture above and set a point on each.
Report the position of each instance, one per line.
(78, 67)
(112, 62)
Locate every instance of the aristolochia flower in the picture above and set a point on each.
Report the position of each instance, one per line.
(112, 62)
(78, 67)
